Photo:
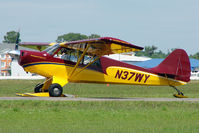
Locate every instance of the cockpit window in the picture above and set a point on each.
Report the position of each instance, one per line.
(72, 55)
(52, 49)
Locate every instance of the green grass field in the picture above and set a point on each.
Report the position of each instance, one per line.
(99, 117)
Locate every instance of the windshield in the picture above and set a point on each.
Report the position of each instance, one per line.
(52, 49)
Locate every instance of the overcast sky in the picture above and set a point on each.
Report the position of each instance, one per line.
(164, 23)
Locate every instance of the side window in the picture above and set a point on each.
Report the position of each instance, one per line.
(68, 54)
(73, 55)
(97, 63)
(87, 59)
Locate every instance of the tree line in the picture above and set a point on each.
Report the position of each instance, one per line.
(149, 51)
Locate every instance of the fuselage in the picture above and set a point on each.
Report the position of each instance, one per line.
(104, 70)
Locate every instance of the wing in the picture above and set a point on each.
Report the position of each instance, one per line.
(102, 46)
(36, 45)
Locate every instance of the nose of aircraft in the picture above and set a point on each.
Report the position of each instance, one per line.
(14, 54)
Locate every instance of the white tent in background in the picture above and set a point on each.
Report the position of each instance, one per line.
(17, 70)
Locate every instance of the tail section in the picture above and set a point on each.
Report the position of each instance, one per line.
(176, 66)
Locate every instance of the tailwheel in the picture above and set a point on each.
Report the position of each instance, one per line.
(55, 90)
(180, 94)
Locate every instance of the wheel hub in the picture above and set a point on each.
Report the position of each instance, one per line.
(56, 91)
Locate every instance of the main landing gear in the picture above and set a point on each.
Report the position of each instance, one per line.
(180, 94)
(54, 90)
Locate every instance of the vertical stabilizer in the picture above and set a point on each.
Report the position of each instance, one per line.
(176, 65)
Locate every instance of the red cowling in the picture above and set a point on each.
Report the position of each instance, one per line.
(176, 65)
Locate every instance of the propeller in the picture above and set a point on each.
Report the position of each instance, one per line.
(15, 53)
(17, 41)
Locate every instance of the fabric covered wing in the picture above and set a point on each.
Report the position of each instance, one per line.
(102, 46)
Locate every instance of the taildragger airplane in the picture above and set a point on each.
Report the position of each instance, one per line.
(84, 62)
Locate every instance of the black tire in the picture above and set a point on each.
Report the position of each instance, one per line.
(55, 90)
(38, 88)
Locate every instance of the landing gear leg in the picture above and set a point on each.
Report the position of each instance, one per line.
(38, 87)
(180, 94)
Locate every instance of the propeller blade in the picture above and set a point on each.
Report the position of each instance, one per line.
(17, 41)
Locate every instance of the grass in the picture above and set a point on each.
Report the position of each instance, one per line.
(10, 87)
(98, 117)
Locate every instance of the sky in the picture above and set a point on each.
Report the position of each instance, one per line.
(165, 24)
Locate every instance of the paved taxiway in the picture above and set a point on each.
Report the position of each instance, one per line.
(99, 99)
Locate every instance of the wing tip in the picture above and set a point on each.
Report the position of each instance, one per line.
(122, 42)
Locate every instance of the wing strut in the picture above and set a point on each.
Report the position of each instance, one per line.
(79, 60)
(88, 64)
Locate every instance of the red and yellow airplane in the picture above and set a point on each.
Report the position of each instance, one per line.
(83, 62)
